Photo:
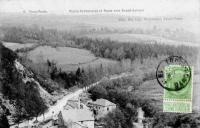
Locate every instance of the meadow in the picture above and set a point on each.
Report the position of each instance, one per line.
(14, 46)
(67, 58)
(151, 90)
(132, 38)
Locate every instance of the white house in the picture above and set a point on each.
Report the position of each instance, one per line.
(102, 107)
(140, 116)
(76, 118)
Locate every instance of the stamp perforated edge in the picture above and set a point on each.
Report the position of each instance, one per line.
(190, 101)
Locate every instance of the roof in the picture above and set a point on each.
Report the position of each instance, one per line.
(77, 115)
(74, 99)
(103, 102)
(71, 104)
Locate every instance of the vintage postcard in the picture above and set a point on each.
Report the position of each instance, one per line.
(99, 63)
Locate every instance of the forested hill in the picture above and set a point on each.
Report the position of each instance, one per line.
(19, 96)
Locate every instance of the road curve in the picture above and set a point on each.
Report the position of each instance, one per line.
(56, 108)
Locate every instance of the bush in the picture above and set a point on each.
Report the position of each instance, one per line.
(4, 121)
(115, 119)
(98, 92)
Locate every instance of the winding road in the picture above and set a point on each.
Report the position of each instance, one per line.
(55, 109)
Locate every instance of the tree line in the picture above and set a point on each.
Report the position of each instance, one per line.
(132, 50)
(100, 47)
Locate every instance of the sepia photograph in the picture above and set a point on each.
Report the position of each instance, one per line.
(99, 64)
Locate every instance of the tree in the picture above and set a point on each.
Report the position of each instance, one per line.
(78, 73)
(84, 78)
(107, 53)
(4, 121)
(120, 53)
(98, 92)
(115, 119)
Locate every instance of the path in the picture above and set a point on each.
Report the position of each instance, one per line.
(55, 109)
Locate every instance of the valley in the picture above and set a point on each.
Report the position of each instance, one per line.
(46, 64)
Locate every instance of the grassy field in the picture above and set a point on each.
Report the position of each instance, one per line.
(67, 58)
(144, 38)
(150, 89)
(15, 46)
(153, 91)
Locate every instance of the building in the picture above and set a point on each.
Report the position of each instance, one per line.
(140, 115)
(75, 103)
(140, 119)
(76, 118)
(85, 97)
(48, 124)
(101, 107)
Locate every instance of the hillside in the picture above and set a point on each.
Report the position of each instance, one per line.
(28, 89)
(183, 30)
(21, 95)
(132, 38)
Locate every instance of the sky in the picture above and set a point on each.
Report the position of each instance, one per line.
(150, 7)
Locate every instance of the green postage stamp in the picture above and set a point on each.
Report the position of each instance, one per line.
(178, 78)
